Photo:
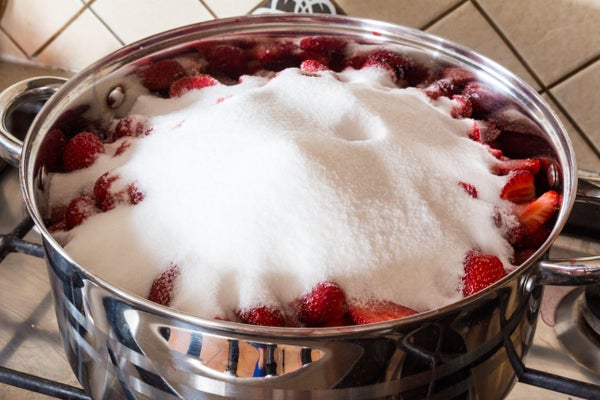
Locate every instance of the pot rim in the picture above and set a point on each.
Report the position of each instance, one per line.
(378, 31)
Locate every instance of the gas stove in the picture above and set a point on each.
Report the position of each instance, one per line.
(33, 364)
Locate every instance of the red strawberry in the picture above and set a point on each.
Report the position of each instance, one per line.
(277, 56)
(374, 310)
(461, 107)
(160, 75)
(52, 148)
(324, 303)
(323, 44)
(81, 151)
(312, 66)
(132, 125)
(481, 270)
(539, 211)
(503, 167)
(483, 98)
(78, 210)
(469, 188)
(163, 287)
(484, 132)
(262, 315)
(187, 83)
(226, 60)
(107, 198)
(519, 188)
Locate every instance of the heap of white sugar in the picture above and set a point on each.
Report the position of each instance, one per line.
(260, 190)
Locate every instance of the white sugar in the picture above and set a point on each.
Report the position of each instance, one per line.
(260, 190)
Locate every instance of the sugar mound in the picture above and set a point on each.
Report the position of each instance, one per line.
(260, 190)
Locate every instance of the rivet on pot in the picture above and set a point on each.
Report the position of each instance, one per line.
(115, 97)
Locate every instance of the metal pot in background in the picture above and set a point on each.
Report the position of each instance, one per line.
(123, 346)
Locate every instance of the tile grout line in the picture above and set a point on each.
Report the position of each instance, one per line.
(62, 29)
(544, 89)
(214, 15)
(14, 42)
(508, 43)
(443, 15)
(106, 25)
(573, 72)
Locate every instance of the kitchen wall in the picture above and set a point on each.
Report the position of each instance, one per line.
(554, 45)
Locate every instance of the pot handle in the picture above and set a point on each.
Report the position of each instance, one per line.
(19, 104)
(581, 270)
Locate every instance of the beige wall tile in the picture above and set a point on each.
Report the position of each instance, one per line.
(83, 42)
(403, 12)
(132, 20)
(224, 9)
(586, 157)
(553, 36)
(32, 22)
(467, 26)
(580, 96)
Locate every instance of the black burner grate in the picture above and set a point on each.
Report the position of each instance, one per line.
(13, 242)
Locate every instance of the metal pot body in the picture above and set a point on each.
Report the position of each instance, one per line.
(123, 346)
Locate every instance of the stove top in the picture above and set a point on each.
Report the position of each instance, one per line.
(33, 364)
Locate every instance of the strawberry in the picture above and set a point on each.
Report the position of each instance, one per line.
(132, 125)
(484, 132)
(159, 75)
(504, 167)
(375, 310)
(539, 211)
(81, 151)
(323, 44)
(225, 59)
(387, 59)
(461, 107)
(519, 188)
(53, 147)
(483, 98)
(262, 315)
(277, 56)
(324, 303)
(469, 188)
(187, 83)
(312, 65)
(78, 210)
(163, 286)
(480, 271)
(107, 198)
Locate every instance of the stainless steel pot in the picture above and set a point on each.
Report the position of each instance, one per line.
(123, 346)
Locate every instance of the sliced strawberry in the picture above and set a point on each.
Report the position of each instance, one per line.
(539, 211)
(484, 99)
(481, 270)
(312, 65)
(107, 198)
(519, 188)
(484, 132)
(160, 75)
(52, 148)
(469, 188)
(133, 125)
(278, 56)
(503, 167)
(323, 44)
(461, 107)
(262, 315)
(325, 302)
(78, 210)
(375, 310)
(163, 287)
(187, 83)
(81, 151)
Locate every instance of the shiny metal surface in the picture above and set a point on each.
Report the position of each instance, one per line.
(121, 346)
